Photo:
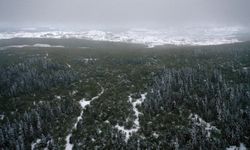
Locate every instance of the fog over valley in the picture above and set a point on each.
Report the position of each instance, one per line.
(120, 13)
(193, 22)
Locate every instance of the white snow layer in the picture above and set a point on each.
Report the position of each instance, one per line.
(38, 141)
(33, 145)
(186, 36)
(58, 97)
(136, 125)
(242, 147)
(197, 120)
(68, 146)
(2, 117)
(68, 65)
(83, 102)
(34, 45)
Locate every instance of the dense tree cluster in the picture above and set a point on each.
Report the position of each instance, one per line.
(33, 74)
(41, 122)
(208, 94)
(197, 97)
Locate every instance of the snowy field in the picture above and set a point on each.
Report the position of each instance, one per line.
(211, 35)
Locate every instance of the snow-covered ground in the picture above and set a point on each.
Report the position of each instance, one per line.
(2, 117)
(197, 120)
(58, 97)
(136, 125)
(86, 60)
(68, 65)
(38, 141)
(34, 45)
(210, 35)
(33, 145)
(83, 102)
(241, 147)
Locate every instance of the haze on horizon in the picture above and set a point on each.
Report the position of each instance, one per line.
(123, 13)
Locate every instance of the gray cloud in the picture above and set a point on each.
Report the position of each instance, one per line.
(109, 13)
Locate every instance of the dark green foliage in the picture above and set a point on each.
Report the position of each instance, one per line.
(197, 97)
(33, 74)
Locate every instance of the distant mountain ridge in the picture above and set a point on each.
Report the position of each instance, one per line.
(150, 38)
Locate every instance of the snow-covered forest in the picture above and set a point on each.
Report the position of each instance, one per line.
(106, 97)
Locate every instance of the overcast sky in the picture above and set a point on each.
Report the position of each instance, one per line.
(136, 13)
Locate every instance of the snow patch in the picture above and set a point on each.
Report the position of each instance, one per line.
(2, 117)
(68, 146)
(155, 135)
(46, 45)
(136, 125)
(107, 121)
(35, 45)
(33, 145)
(197, 120)
(242, 147)
(13, 46)
(68, 65)
(83, 102)
(86, 60)
(73, 92)
(58, 97)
